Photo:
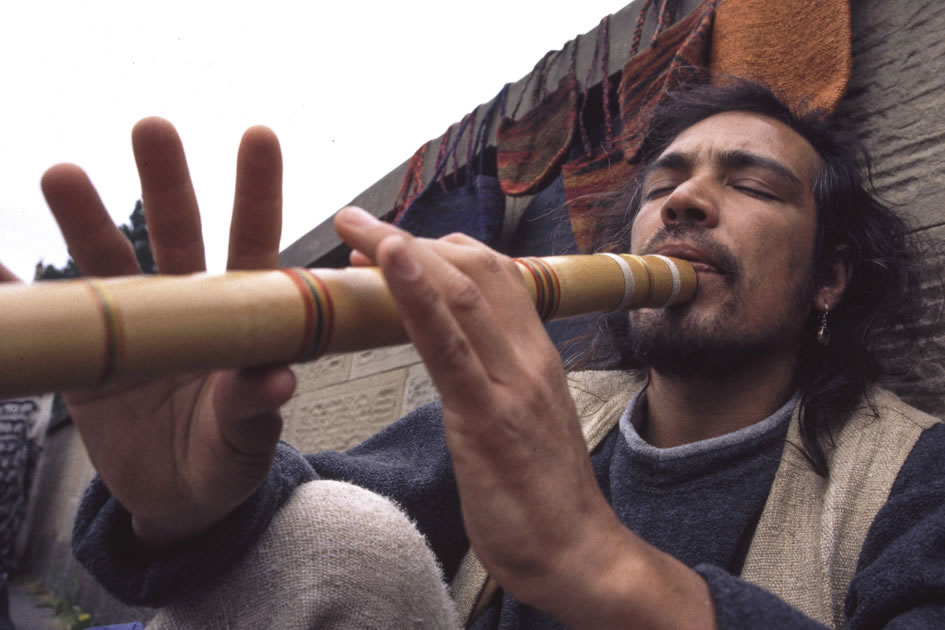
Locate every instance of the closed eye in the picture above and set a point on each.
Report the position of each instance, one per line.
(757, 193)
(656, 193)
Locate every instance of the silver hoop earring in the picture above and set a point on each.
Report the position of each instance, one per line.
(823, 333)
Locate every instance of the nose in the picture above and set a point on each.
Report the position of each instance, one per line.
(690, 202)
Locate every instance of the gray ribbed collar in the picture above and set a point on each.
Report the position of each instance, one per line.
(741, 436)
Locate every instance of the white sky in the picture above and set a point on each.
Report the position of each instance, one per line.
(351, 88)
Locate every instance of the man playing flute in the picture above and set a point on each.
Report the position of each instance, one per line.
(752, 474)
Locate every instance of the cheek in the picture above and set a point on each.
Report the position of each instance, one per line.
(780, 261)
(644, 226)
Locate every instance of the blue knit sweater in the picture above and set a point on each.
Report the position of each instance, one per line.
(699, 502)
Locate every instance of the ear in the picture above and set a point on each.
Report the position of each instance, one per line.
(833, 282)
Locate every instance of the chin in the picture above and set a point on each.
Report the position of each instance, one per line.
(685, 342)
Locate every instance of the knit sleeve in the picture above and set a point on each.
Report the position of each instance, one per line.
(407, 462)
(740, 604)
(900, 577)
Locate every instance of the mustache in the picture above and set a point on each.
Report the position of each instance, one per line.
(716, 254)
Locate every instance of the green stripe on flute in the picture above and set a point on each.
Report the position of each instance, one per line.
(112, 330)
(324, 313)
(547, 288)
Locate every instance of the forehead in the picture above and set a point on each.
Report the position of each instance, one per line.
(752, 133)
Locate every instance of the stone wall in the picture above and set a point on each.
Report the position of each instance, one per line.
(64, 472)
(343, 399)
(895, 98)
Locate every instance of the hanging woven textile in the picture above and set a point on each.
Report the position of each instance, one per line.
(471, 201)
(544, 230)
(596, 181)
(801, 48)
(530, 150)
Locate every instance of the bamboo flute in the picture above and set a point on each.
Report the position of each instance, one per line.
(92, 332)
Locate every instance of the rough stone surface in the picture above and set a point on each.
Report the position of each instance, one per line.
(341, 416)
(896, 98)
(63, 473)
(329, 370)
(419, 389)
(369, 362)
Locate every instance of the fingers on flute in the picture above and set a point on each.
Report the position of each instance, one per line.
(96, 245)
(450, 356)
(170, 204)
(477, 285)
(462, 323)
(257, 207)
(359, 259)
(361, 231)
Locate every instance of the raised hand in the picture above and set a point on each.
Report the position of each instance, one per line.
(527, 488)
(182, 452)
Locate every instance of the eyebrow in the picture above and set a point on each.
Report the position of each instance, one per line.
(734, 159)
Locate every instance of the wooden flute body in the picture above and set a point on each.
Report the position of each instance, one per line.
(91, 332)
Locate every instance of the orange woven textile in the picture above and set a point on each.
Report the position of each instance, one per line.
(800, 48)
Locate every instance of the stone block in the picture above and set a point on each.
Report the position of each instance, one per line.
(369, 362)
(328, 370)
(418, 388)
(343, 415)
(895, 99)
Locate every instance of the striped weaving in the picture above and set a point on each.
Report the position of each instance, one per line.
(530, 150)
(594, 184)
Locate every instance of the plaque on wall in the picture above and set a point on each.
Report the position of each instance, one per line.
(343, 415)
(377, 360)
(419, 389)
(327, 370)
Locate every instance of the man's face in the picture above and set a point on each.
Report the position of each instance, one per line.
(732, 194)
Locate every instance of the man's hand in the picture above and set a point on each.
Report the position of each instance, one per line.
(179, 453)
(531, 504)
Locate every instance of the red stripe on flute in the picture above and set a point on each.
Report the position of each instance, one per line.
(309, 303)
(326, 311)
(554, 287)
(540, 295)
(548, 289)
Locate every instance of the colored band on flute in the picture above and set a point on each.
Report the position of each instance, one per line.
(547, 285)
(629, 283)
(113, 332)
(676, 280)
(319, 313)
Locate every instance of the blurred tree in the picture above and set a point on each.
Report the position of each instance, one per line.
(137, 233)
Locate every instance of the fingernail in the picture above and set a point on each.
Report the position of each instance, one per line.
(357, 216)
(401, 262)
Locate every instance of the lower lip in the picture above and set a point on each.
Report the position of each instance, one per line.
(704, 268)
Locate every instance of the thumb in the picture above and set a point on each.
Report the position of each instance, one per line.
(247, 404)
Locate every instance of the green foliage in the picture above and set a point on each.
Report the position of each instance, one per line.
(136, 231)
(68, 615)
(49, 272)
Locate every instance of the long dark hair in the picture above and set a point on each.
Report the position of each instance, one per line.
(882, 296)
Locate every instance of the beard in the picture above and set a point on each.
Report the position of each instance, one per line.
(673, 342)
